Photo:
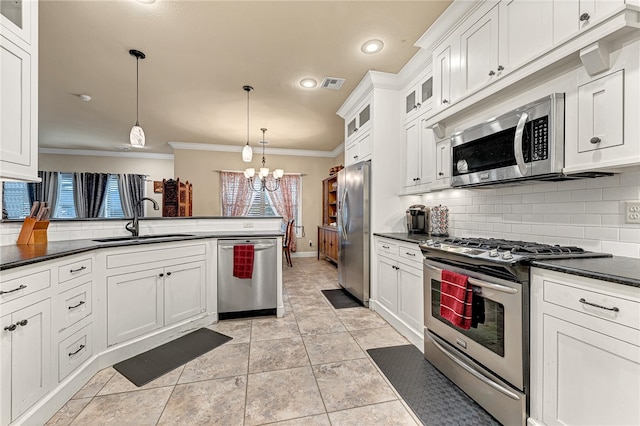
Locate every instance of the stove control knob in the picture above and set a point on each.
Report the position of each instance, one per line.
(493, 253)
(430, 242)
(507, 255)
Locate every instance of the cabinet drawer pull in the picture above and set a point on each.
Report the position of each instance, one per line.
(10, 327)
(444, 101)
(594, 140)
(22, 323)
(22, 287)
(80, 303)
(584, 17)
(410, 254)
(73, 271)
(583, 301)
(79, 349)
(385, 247)
(492, 73)
(500, 68)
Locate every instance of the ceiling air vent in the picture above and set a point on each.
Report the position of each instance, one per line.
(332, 83)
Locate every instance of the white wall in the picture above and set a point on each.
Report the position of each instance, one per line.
(587, 213)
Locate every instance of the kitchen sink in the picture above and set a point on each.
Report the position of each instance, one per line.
(139, 238)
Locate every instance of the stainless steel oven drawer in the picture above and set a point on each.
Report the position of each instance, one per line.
(502, 401)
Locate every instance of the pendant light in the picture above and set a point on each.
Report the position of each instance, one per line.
(247, 152)
(136, 137)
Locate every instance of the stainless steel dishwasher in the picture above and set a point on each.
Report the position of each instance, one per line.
(257, 296)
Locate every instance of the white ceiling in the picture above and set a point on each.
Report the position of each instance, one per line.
(199, 55)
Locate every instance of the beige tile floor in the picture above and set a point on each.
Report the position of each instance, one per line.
(308, 368)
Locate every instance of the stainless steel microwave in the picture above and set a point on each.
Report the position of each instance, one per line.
(526, 143)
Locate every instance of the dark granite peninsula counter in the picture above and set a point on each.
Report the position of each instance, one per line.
(404, 236)
(617, 269)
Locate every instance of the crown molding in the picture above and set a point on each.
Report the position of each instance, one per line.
(91, 153)
(274, 151)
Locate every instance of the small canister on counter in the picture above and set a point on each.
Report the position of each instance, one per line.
(440, 221)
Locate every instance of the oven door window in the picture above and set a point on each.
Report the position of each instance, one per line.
(489, 334)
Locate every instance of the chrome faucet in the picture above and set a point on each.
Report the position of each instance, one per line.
(134, 226)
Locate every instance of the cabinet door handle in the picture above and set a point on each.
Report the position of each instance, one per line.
(79, 349)
(22, 287)
(77, 270)
(419, 105)
(161, 275)
(10, 327)
(491, 73)
(444, 101)
(500, 68)
(584, 17)
(80, 303)
(355, 157)
(440, 174)
(594, 140)
(355, 130)
(168, 274)
(415, 107)
(584, 302)
(22, 323)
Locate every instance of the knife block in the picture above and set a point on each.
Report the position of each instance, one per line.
(33, 231)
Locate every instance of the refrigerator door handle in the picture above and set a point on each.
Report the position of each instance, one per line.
(344, 215)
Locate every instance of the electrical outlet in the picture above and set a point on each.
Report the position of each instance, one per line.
(632, 212)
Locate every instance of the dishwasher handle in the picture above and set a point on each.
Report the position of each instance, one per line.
(256, 247)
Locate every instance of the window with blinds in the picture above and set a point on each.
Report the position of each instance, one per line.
(15, 198)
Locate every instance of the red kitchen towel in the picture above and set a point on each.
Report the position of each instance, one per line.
(243, 260)
(455, 299)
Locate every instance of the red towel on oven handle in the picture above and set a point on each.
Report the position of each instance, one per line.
(243, 260)
(455, 299)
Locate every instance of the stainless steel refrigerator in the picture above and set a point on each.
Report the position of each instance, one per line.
(354, 234)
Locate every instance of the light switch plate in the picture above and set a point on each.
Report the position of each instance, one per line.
(632, 212)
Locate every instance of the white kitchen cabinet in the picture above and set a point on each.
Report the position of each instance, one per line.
(134, 304)
(359, 149)
(418, 96)
(399, 287)
(479, 52)
(19, 90)
(25, 348)
(526, 30)
(359, 122)
(419, 163)
(74, 350)
(139, 302)
(572, 16)
(442, 155)
(585, 347)
(184, 291)
(443, 69)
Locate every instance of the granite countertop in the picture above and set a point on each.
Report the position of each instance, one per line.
(13, 256)
(616, 269)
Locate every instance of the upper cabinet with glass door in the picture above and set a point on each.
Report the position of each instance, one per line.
(418, 96)
(19, 90)
(358, 123)
(19, 17)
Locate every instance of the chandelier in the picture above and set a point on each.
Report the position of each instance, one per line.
(263, 172)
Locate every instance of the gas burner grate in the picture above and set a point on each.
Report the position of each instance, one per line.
(516, 247)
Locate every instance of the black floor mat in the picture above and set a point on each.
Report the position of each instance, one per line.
(148, 366)
(341, 298)
(433, 398)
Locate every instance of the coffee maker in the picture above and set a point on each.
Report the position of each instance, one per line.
(418, 219)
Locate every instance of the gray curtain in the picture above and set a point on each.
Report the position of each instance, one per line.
(131, 189)
(45, 190)
(89, 191)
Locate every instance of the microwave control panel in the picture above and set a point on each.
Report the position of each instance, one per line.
(540, 133)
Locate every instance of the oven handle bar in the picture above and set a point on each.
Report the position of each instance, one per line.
(472, 371)
(479, 283)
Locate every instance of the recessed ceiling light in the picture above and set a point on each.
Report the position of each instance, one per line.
(146, 1)
(372, 46)
(85, 97)
(309, 83)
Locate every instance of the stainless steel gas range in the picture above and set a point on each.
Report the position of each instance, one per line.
(489, 360)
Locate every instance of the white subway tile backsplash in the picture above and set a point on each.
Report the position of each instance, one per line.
(521, 229)
(521, 208)
(586, 219)
(589, 245)
(604, 182)
(557, 218)
(512, 218)
(544, 229)
(555, 197)
(616, 220)
(593, 194)
(604, 207)
(630, 178)
(621, 249)
(537, 197)
(543, 208)
(501, 208)
(484, 226)
(532, 218)
(601, 233)
(487, 208)
(512, 199)
(569, 185)
(630, 235)
(473, 209)
(622, 193)
(570, 231)
(553, 240)
(480, 200)
(502, 227)
(578, 207)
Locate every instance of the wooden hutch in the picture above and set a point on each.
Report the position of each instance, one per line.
(328, 232)
(176, 198)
